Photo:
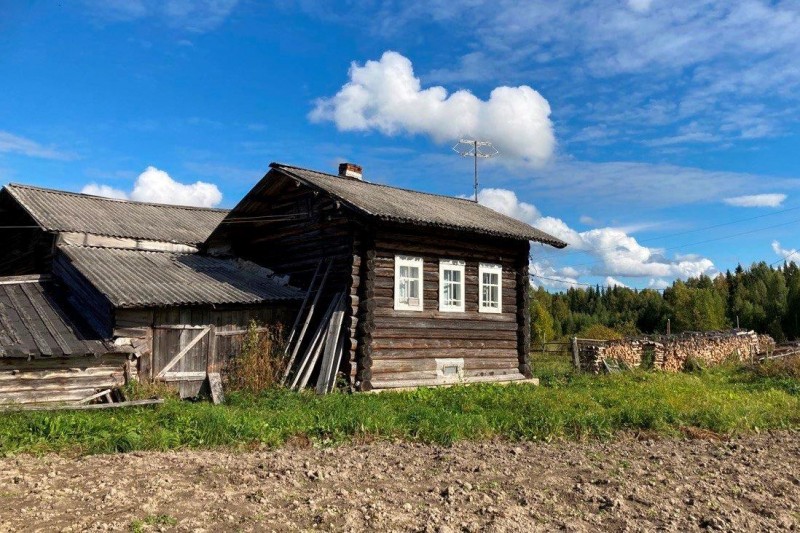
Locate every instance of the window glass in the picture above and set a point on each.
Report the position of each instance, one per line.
(491, 283)
(408, 282)
(451, 282)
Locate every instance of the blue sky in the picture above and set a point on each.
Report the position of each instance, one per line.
(628, 128)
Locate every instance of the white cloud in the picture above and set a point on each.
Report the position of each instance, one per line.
(613, 282)
(96, 189)
(154, 185)
(614, 252)
(386, 96)
(784, 253)
(756, 200)
(586, 220)
(657, 284)
(190, 15)
(14, 144)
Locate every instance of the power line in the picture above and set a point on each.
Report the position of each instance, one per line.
(671, 235)
(707, 240)
(566, 282)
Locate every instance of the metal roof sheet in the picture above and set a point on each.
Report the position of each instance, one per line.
(66, 211)
(34, 322)
(135, 278)
(406, 206)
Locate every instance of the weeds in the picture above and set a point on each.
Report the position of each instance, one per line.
(261, 362)
(139, 526)
(724, 401)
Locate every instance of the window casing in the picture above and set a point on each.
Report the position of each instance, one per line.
(490, 291)
(451, 285)
(408, 294)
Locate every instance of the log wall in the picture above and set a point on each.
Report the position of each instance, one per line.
(401, 348)
(59, 379)
(316, 228)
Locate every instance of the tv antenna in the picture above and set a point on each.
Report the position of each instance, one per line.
(475, 149)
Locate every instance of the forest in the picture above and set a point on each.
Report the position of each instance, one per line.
(762, 298)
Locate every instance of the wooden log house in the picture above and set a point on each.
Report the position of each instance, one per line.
(127, 294)
(437, 287)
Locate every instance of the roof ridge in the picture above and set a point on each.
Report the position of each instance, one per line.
(281, 165)
(124, 249)
(117, 200)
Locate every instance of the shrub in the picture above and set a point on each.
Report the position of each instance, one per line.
(599, 332)
(261, 362)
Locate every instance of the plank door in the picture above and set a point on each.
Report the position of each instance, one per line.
(182, 354)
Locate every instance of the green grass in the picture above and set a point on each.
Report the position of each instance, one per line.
(139, 526)
(727, 401)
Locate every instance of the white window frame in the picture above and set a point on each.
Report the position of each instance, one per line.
(490, 268)
(458, 266)
(409, 261)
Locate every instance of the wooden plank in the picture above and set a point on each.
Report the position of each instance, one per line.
(331, 344)
(297, 319)
(95, 396)
(41, 343)
(132, 403)
(311, 309)
(215, 384)
(312, 356)
(16, 280)
(184, 376)
(48, 324)
(183, 352)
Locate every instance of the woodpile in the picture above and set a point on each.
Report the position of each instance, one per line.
(671, 353)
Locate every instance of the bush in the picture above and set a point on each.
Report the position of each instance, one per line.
(261, 362)
(599, 332)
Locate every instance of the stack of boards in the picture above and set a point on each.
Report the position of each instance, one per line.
(324, 347)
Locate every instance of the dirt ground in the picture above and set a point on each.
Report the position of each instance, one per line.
(630, 484)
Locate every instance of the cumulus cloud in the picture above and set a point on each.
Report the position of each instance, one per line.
(614, 252)
(14, 144)
(756, 200)
(387, 97)
(96, 189)
(613, 282)
(785, 253)
(154, 185)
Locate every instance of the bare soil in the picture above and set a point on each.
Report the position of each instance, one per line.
(634, 483)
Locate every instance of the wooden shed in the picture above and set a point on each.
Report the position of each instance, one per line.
(132, 273)
(47, 353)
(436, 287)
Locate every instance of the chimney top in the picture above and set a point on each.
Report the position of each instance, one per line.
(350, 170)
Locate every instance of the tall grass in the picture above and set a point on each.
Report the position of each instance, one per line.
(261, 362)
(726, 401)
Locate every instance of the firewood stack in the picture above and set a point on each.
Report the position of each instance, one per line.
(670, 353)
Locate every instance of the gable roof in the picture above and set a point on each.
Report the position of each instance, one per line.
(136, 278)
(35, 323)
(71, 212)
(418, 208)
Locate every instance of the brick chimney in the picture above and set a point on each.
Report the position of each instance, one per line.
(350, 170)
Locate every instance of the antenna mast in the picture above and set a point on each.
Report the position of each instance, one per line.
(475, 149)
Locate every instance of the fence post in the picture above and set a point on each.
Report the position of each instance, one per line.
(575, 356)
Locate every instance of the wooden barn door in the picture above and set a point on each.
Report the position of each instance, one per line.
(182, 354)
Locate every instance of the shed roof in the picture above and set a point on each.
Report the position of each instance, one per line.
(66, 211)
(419, 208)
(35, 323)
(136, 278)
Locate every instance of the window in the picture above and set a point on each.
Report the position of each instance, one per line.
(451, 285)
(490, 279)
(407, 283)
